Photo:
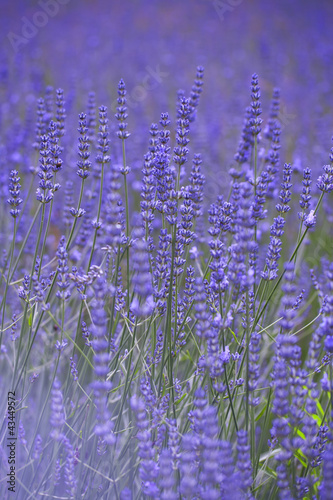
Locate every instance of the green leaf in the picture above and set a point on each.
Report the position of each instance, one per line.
(180, 399)
(30, 319)
(188, 356)
(320, 409)
(164, 385)
(316, 418)
(258, 417)
(300, 433)
(234, 335)
(301, 457)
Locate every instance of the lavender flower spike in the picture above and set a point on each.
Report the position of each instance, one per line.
(14, 190)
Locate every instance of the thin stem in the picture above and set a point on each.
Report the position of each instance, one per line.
(127, 219)
(3, 305)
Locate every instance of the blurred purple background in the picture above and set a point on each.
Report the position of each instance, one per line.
(156, 45)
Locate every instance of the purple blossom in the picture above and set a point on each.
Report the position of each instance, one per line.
(244, 461)
(196, 92)
(91, 116)
(101, 385)
(60, 112)
(167, 477)
(46, 186)
(273, 113)
(148, 467)
(143, 303)
(325, 181)
(256, 111)
(57, 419)
(14, 190)
(121, 114)
(63, 269)
(84, 164)
(69, 474)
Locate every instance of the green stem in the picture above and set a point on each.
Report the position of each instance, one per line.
(255, 194)
(8, 280)
(46, 231)
(127, 220)
(69, 240)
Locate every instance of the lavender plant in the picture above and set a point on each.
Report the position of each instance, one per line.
(161, 339)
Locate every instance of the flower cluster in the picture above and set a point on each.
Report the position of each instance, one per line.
(166, 321)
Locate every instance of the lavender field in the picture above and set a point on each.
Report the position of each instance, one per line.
(166, 266)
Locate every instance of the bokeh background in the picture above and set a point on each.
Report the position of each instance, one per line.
(155, 46)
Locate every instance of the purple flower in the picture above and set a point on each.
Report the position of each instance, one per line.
(91, 116)
(37, 447)
(244, 461)
(306, 189)
(167, 476)
(285, 193)
(210, 475)
(84, 164)
(256, 111)
(195, 187)
(121, 114)
(74, 371)
(69, 200)
(274, 249)
(55, 149)
(70, 480)
(201, 312)
(24, 290)
(320, 445)
(21, 434)
(273, 114)
(229, 483)
(243, 150)
(154, 139)
(325, 181)
(126, 494)
(40, 125)
(14, 190)
(283, 482)
(326, 487)
(46, 187)
(188, 470)
(181, 150)
(196, 92)
(310, 220)
(63, 282)
(254, 366)
(60, 112)
(148, 467)
(272, 159)
(287, 311)
(143, 304)
(148, 191)
(113, 236)
(85, 333)
(49, 103)
(258, 212)
(101, 385)
(103, 139)
(325, 383)
(57, 473)
(57, 419)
